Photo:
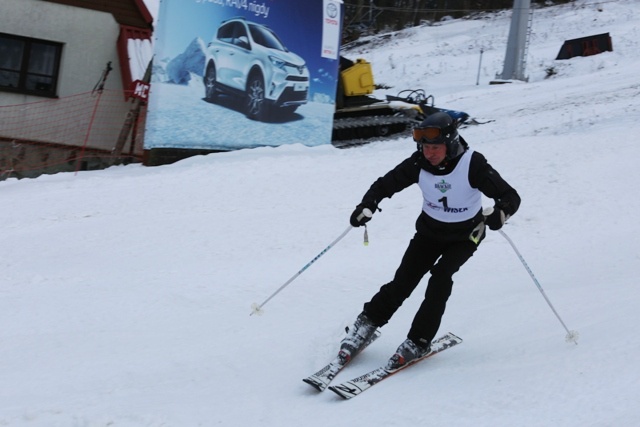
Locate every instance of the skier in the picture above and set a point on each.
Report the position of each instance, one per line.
(450, 227)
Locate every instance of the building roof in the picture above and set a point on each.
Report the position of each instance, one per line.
(133, 13)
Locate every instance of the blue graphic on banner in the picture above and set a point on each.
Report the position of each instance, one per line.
(231, 74)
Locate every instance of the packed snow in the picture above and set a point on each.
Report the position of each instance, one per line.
(126, 294)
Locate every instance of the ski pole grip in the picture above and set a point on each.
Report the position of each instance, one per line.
(366, 212)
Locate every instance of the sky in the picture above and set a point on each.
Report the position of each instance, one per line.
(126, 294)
(153, 6)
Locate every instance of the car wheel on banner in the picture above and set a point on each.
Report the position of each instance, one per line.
(210, 90)
(256, 104)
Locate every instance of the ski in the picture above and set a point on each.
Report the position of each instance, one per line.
(321, 379)
(354, 387)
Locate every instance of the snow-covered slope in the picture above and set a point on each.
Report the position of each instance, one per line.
(125, 294)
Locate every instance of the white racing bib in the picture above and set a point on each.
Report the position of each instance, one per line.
(450, 198)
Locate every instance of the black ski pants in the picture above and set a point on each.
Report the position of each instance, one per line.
(423, 254)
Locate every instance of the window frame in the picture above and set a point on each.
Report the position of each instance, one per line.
(24, 71)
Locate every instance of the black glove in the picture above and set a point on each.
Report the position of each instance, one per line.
(495, 218)
(360, 216)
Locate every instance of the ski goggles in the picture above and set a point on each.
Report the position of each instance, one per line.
(426, 135)
(431, 135)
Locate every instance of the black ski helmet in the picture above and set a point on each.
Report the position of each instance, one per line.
(439, 128)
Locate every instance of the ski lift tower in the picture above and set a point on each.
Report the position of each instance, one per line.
(515, 59)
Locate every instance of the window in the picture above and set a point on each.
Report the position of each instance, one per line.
(29, 65)
(225, 33)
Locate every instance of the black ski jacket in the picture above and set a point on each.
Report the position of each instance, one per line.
(481, 176)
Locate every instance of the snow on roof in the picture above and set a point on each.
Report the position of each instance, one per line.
(135, 51)
(140, 53)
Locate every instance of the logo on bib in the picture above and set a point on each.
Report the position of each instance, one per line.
(443, 186)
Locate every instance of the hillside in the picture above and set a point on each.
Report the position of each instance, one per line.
(125, 293)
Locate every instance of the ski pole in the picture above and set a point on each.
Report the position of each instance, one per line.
(572, 336)
(257, 308)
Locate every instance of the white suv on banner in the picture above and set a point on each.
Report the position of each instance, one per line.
(248, 60)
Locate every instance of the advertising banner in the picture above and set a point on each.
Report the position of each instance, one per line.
(230, 74)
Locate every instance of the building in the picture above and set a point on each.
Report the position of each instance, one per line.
(66, 74)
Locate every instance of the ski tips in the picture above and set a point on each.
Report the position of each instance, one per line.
(256, 309)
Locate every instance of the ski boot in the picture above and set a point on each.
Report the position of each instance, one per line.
(407, 352)
(359, 335)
